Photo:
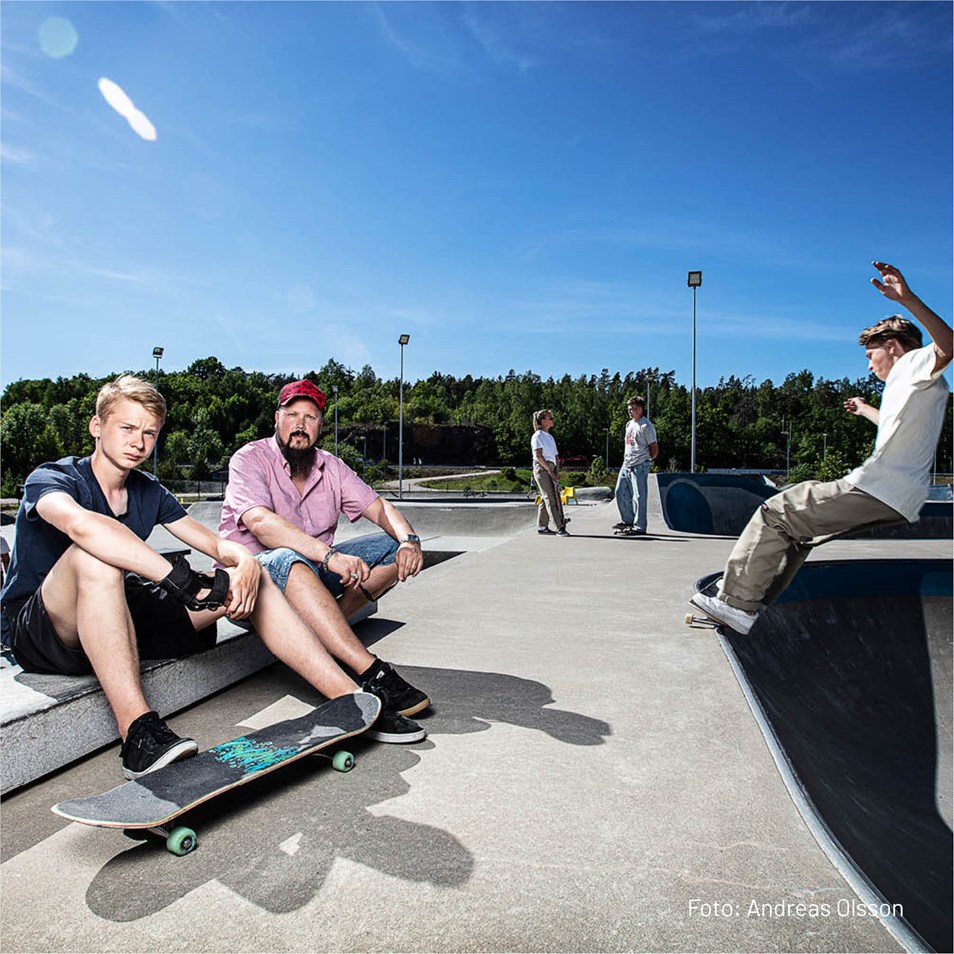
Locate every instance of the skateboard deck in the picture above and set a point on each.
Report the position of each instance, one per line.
(155, 799)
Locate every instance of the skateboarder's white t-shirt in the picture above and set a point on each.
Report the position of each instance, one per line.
(544, 441)
(912, 410)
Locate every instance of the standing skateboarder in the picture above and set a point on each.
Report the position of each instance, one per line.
(889, 487)
(641, 449)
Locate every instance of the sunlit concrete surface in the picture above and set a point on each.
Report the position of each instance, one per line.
(593, 780)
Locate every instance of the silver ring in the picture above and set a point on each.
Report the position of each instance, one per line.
(354, 576)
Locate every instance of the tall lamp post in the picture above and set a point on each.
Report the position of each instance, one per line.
(607, 430)
(157, 354)
(402, 341)
(695, 280)
(334, 387)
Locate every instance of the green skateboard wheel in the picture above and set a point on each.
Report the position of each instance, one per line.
(181, 840)
(342, 761)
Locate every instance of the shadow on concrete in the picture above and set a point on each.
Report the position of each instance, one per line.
(852, 669)
(274, 841)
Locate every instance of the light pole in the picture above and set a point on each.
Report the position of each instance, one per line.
(695, 280)
(607, 430)
(364, 453)
(157, 354)
(824, 446)
(402, 341)
(334, 388)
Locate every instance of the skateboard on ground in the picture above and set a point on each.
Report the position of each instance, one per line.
(148, 804)
(628, 532)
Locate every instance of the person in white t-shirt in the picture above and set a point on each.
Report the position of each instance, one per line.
(641, 449)
(889, 487)
(546, 473)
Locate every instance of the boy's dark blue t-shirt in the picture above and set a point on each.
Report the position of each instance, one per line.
(38, 544)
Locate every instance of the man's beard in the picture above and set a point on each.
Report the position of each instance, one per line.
(300, 459)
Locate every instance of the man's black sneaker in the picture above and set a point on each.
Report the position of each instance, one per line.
(392, 727)
(150, 744)
(545, 531)
(402, 697)
(563, 532)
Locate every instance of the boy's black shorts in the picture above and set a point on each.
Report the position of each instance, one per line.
(163, 631)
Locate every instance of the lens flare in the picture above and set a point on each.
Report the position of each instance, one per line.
(58, 37)
(116, 96)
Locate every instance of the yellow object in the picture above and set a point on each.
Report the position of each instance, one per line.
(568, 494)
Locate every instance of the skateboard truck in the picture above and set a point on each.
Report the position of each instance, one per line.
(703, 621)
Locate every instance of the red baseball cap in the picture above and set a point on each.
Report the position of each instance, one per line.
(301, 389)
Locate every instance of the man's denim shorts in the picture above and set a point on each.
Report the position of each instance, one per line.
(376, 549)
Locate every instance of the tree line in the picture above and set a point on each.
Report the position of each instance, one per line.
(798, 425)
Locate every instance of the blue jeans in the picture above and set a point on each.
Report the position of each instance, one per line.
(376, 549)
(631, 494)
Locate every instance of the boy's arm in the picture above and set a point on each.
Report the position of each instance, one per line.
(861, 408)
(102, 537)
(894, 287)
(243, 569)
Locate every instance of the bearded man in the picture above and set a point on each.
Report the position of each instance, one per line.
(283, 500)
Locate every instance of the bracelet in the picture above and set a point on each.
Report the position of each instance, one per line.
(324, 560)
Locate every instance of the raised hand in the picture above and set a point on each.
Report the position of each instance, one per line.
(892, 284)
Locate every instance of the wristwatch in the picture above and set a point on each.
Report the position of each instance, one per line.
(410, 538)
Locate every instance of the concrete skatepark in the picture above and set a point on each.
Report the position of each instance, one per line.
(594, 777)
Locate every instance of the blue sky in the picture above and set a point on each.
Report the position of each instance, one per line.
(515, 185)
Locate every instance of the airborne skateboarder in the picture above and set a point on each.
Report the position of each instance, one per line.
(889, 487)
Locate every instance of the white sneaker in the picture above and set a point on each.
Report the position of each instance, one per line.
(739, 620)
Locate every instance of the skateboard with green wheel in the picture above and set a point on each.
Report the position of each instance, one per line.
(147, 805)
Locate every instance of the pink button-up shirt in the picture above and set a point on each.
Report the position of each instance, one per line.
(259, 476)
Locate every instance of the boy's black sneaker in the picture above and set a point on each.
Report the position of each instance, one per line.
(150, 744)
(392, 727)
(402, 697)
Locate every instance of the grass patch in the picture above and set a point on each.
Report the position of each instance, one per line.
(520, 481)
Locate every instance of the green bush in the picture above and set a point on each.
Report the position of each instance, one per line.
(799, 473)
(597, 475)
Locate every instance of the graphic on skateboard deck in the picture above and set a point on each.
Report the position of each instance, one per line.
(149, 803)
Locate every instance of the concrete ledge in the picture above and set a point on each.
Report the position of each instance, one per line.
(49, 721)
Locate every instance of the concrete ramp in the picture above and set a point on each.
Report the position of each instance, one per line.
(443, 516)
(469, 516)
(850, 674)
(717, 504)
(721, 504)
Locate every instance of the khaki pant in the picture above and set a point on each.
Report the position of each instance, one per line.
(551, 507)
(782, 532)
